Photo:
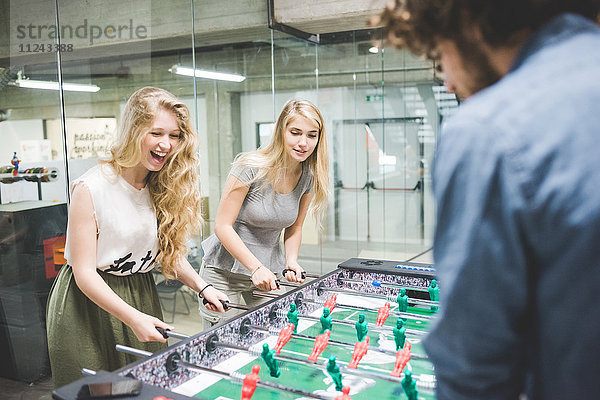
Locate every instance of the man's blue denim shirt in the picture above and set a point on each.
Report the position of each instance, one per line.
(517, 241)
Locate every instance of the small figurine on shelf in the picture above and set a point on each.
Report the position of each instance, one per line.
(15, 162)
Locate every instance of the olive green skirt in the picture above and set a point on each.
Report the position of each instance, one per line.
(82, 335)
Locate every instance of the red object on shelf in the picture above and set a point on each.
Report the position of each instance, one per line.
(53, 255)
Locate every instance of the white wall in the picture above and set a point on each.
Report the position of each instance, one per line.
(13, 132)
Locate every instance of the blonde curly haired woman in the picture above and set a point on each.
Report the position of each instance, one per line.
(268, 191)
(127, 215)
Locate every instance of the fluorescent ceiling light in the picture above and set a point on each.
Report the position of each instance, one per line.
(199, 73)
(51, 85)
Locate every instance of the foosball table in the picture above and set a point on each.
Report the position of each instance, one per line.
(353, 333)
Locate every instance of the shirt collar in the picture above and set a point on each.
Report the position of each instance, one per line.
(558, 29)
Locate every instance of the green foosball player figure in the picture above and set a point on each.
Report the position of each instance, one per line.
(334, 371)
(409, 385)
(269, 359)
(325, 320)
(434, 293)
(402, 301)
(362, 327)
(292, 316)
(399, 334)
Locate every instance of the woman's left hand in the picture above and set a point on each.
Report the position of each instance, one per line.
(214, 297)
(295, 276)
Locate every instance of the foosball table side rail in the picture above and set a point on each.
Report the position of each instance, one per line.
(157, 371)
(354, 274)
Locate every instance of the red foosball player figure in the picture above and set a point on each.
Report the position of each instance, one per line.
(321, 342)
(360, 349)
(383, 314)
(249, 383)
(330, 303)
(284, 336)
(402, 358)
(345, 394)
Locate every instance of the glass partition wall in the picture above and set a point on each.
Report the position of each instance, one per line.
(382, 110)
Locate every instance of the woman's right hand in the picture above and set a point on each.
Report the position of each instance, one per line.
(264, 279)
(144, 328)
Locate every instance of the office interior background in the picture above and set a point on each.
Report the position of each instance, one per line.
(382, 109)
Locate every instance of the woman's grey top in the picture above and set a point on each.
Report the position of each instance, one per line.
(262, 217)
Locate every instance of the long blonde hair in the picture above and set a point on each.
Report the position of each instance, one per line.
(273, 160)
(174, 189)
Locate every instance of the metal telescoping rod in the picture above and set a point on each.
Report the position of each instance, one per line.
(226, 304)
(88, 372)
(236, 377)
(415, 317)
(343, 368)
(268, 295)
(272, 331)
(370, 325)
(395, 313)
(290, 284)
(375, 327)
(377, 296)
(132, 351)
(338, 343)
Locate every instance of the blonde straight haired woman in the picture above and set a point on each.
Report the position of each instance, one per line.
(127, 214)
(268, 191)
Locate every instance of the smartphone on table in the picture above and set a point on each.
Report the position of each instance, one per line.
(110, 390)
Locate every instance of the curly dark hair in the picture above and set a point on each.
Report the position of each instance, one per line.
(417, 24)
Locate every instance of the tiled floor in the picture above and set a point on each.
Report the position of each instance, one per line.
(314, 259)
(14, 390)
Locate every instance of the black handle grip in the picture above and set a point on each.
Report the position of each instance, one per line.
(163, 332)
(224, 302)
(286, 270)
(277, 281)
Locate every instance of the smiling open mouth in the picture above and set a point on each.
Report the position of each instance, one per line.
(159, 156)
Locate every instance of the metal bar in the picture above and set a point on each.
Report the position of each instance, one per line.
(273, 24)
(370, 325)
(378, 296)
(408, 315)
(261, 383)
(234, 377)
(268, 295)
(132, 351)
(340, 343)
(341, 364)
(88, 372)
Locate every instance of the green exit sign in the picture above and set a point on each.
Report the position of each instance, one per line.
(374, 97)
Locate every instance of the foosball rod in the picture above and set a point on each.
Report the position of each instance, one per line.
(273, 331)
(390, 297)
(337, 321)
(350, 371)
(408, 315)
(234, 376)
(282, 314)
(257, 353)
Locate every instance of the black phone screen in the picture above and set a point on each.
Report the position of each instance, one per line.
(107, 390)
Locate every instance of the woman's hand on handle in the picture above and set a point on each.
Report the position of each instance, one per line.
(295, 275)
(264, 279)
(214, 297)
(144, 328)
